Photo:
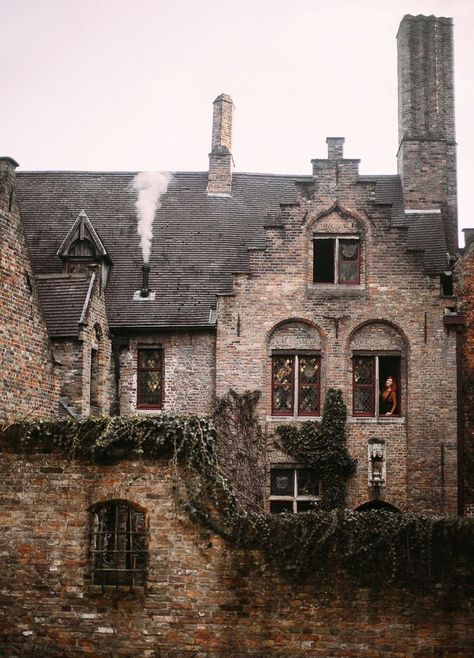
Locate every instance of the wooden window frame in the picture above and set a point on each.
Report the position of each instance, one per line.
(141, 405)
(336, 239)
(295, 384)
(375, 412)
(294, 498)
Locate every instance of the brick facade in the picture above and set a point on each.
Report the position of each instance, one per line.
(203, 599)
(28, 381)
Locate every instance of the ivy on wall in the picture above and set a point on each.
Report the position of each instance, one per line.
(317, 546)
(322, 446)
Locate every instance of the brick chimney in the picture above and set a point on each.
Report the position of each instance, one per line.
(220, 157)
(7, 183)
(427, 147)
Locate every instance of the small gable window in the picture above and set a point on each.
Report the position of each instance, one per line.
(80, 254)
(118, 544)
(150, 378)
(376, 385)
(293, 489)
(296, 384)
(336, 260)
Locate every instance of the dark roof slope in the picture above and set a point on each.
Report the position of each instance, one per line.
(199, 240)
(62, 300)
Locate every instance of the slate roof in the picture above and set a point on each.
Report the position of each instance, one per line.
(199, 240)
(62, 300)
(426, 231)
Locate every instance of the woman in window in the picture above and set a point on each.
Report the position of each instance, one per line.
(388, 397)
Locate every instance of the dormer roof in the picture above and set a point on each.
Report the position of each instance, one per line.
(82, 229)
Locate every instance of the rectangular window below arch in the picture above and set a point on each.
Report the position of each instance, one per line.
(376, 385)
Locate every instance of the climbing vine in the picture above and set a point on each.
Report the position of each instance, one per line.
(316, 546)
(322, 446)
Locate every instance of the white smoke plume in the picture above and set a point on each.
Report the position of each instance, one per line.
(150, 186)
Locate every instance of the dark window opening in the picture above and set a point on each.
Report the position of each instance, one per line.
(118, 544)
(293, 489)
(323, 261)
(150, 379)
(377, 385)
(94, 380)
(447, 285)
(296, 385)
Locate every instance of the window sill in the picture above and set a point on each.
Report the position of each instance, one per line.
(378, 420)
(139, 410)
(290, 419)
(339, 289)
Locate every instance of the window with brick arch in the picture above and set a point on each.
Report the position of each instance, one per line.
(150, 378)
(296, 381)
(370, 373)
(118, 544)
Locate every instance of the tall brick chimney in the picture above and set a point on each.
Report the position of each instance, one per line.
(427, 147)
(220, 157)
(7, 183)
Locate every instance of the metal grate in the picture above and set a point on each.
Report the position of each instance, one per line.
(118, 544)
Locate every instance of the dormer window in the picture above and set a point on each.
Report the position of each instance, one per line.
(336, 259)
(82, 247)
(80, 255)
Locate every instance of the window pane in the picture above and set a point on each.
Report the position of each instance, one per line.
(282, 385)
(305, 505)
(363, 370)
(282, 370)
(149, 359)
(308, 397)
(282, 482)
(348, 261)
(309, 370)
(363, 385)
(280, 506)
(307, 482)
(323, 264)
(390, 391)
(149, 386)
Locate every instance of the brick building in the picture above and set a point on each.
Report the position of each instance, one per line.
(289, 285)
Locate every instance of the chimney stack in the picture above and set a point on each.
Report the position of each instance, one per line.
(220, 157)
(7, 183)
(145, 290)
(427, 147)
(335, 148)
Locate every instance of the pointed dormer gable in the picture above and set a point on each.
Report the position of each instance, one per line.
(82, 248)
(82, 233)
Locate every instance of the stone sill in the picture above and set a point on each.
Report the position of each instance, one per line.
(362, 420)
(291, 419)
(336, 290)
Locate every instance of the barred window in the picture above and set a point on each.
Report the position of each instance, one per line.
(293, 489)
(150, 378)
(296, 384)
(118, 544)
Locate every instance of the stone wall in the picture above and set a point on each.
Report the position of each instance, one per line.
(28, 382)
(202, 600)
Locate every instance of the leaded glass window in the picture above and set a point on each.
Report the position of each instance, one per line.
(150, 378)
(293, 489)
(348, 261)
(377, 385)
(118, 544)
(364, 385)
(296, 384)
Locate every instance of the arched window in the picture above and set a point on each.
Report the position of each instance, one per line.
(118, 541)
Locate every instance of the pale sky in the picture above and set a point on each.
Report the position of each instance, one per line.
(129, 84)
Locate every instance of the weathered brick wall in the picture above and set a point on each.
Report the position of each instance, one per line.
(394, 296)
(203, 599)
(189, 371)
(465, 275)
(28, 383)
(76, 358)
